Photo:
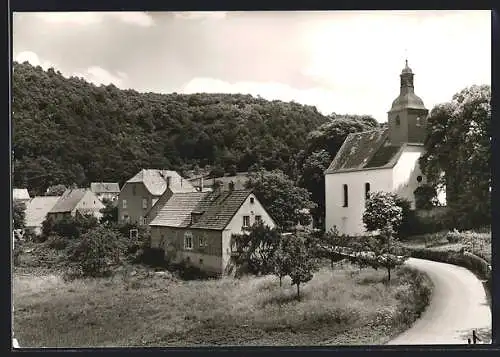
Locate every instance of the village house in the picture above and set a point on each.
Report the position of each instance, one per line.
(139, 194)
(197, 227)
(105, 190)
(205, 183)
(76, 201)
(36, 212)
(21, 195)
(378, 160)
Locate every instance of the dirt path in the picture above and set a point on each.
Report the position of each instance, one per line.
(458, 305)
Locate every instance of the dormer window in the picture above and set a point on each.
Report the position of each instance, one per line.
(195, 217)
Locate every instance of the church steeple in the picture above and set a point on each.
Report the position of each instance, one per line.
(406, 80)
(408, 114)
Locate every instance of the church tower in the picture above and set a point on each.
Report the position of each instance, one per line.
(408, 116)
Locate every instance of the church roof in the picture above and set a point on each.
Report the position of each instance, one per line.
(365, 150)
(409, 100)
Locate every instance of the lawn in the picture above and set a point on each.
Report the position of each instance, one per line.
(340, 306)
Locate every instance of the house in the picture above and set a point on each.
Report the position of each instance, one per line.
(105, 190)
(36, 211)
(378, 160)
(206, 184)
(20, 194)
(197, 227)
(139, 194)
(77, 200)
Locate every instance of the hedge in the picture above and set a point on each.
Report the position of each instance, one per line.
(477, 265)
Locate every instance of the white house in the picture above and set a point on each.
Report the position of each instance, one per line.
(78, 200)
(377, 160)
(197, 227)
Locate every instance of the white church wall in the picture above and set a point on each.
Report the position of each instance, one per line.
(349, 220)
(406, 171)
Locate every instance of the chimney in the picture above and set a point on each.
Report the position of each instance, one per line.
(168, 181)
(231, 186)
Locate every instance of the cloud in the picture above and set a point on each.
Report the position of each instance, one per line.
(33, 59)
(201, 15)
(98, 75)
(142, 19)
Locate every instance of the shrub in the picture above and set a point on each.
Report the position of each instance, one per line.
(99, 250)
(453, 236)
(57, 242)
(425, 197)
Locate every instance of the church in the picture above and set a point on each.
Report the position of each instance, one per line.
(377, 160)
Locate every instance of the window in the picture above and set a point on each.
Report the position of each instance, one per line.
(202, 242)
(144, 203)
(188, 241)
(246, 221)
(201, 261)
(367, 190)
(398, 121)
(124, 203)
(346, 198)
(419, 179)
(252, 200)
(133, 233)
(126, 218)
(419, 121)
(133, 190)
(258, 219)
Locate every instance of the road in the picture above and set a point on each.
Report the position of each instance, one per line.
(458, 305)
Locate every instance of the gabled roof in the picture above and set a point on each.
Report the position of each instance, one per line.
(105, 187)
(37, 209)
(68, 201)
(215, 209)
(365, 150)
(20, 194)
(155, 181)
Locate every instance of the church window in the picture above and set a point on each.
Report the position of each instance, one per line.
(419, 179)
(398, 121)
(367, 190)
(346, 198)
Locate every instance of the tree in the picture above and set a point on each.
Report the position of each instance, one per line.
(302, 264)
(282, 199)
(281, 263)
(56, 190)
(109, 212)
(19, 214)
(257, 248)
(99, 249)
(458, 154)
(313, 180)
(425, 197)
(335, 243)
(383, 214)
(382, 208)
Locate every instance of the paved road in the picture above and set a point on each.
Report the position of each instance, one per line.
(458, 305)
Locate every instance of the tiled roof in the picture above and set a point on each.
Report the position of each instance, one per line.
(37, 209)
(68, 201)
(216, 208)
(238, 180)
(177, 210)
(20, 194)
(105, 187)
(369, 149)
(156, 181)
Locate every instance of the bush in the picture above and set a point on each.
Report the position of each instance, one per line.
(453, 236)
(57, 242)
(99, 250)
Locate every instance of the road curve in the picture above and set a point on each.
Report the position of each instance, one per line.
(457, 306)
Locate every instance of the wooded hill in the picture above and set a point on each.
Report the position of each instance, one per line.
(66, 130)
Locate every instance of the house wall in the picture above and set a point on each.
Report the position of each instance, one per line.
(235, 226)
(406, 171)
(134, 193)
(207, 258)
(90, 201)
(349, 220)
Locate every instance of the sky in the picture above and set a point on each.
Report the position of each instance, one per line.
(342, 62)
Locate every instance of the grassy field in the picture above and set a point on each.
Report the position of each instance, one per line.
(341, 306)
